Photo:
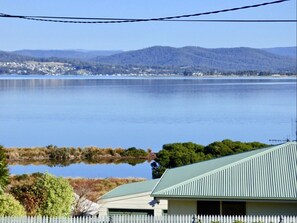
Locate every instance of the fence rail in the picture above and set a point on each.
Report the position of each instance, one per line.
(154, 219)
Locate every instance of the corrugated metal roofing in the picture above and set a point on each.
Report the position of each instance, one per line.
(269, 173)
(131, 189)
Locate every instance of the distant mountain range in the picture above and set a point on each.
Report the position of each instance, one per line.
(281, 59)
(13, 57)
(70, 54)
(221, 59)
(283, 51)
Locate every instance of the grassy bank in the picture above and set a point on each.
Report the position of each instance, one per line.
(53, 155)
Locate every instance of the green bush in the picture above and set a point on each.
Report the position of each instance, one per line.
(133, 152)
(58, 196)
(9, 206)
(45, 195)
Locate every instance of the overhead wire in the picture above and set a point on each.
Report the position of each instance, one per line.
(178, 18)
(235, 20)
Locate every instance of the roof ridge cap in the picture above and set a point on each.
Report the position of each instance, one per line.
(268, 149)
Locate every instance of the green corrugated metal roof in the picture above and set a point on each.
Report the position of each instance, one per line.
(131, 189)
(269, 173)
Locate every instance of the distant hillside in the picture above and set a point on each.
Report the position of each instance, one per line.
(221, 59)
(69, 54)
(283, 51)
(12, 57)
(156, 60)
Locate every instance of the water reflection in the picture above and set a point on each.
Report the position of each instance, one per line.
(150, 84)
(88, 171)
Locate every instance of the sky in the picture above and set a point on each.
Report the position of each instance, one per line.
(18, 34)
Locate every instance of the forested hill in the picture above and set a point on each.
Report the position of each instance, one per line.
(152, 61)
(12, 57)
(69, 54)
(283, 51)
(220, 59)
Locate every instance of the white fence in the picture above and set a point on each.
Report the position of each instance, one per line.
(156, 219)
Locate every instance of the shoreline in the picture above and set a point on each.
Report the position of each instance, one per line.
(55, 156)
(119, 77)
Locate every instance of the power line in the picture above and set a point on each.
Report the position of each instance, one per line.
(235, 20)
(178, 18)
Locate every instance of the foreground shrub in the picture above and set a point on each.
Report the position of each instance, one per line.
(9, 206)
(29, 197)
(45, 195)
(57, 196)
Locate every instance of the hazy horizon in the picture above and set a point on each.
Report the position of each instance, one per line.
(112, 50)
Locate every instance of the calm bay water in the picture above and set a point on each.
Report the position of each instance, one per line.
(89, 170)
(141, 112)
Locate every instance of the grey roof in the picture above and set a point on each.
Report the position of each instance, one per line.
(131, 189)
(263, 174)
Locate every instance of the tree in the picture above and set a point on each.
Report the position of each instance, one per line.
(175, 155)
(179, 154)
(9, 206)
(83, 195)
(228, 147)
(4, 172)
(58, 196)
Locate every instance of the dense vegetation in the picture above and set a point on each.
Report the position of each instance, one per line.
(179, 154)
(24, 188)
(44, 195)
(53, 155)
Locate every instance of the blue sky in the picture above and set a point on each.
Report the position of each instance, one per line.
(21, 34)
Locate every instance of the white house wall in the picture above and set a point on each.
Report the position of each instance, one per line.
(189, 207)
(133, 203)
(185, 207)
(265, 208)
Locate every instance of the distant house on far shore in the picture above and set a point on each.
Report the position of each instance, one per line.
(133, 198)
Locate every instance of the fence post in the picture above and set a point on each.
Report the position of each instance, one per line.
(280, 219)
(110, 219)
(193, 219)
